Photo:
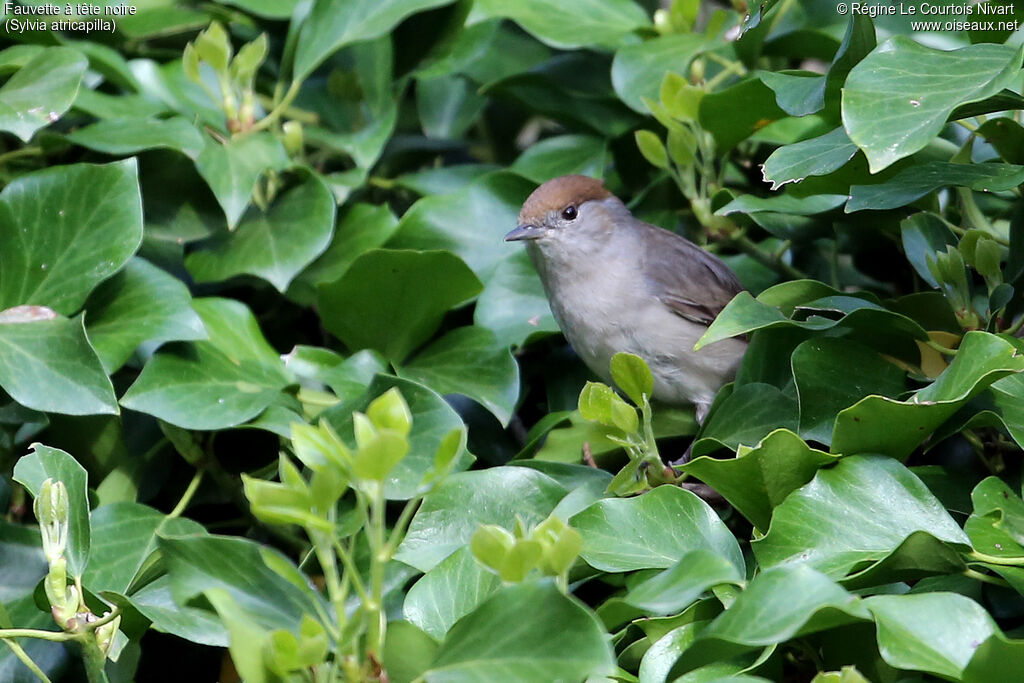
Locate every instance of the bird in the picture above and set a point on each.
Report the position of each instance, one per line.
(616, 283)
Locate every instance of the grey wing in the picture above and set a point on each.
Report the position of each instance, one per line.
(693, 283)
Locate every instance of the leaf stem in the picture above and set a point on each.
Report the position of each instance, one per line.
(55, 636)
(187, 496)
(992, 559)
(282, 106)
(985, 578)
(20, 653)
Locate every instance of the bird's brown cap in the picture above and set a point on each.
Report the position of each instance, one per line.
(558, 193)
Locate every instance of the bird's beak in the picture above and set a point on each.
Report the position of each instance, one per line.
(524, 232)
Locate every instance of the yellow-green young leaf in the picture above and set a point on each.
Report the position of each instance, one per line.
(190, 63)
(319, 446)
(214, 47)
(561, 549)
(652, 149)
(290, 474)
(326, 486)
(848, 674)
(683, 14)
(599, 403)
(490, 545)
(280, 504)
(987, 256)
(390, 411)
(294, 138)
(682, 146)
(451, 445)
(363, 429)
(313, 643)
(522, 559)
(248, 640)
(249, 59)
(376, 458)
(680, 98)
(632, 375)
(282, 657)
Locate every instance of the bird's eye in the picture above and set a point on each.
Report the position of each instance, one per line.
(569, 213)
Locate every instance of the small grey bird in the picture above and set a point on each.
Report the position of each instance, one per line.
(616, 283)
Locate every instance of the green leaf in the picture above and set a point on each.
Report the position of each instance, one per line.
(49, 365)
(232, 169)
(605, 23)
(141, 303)
(124, 537)
(745, 416)
(638, 69)
(784, 203)
(598, 402)
(332, 25)
(1006, 136)
(757, 480)
(825, 525)
(996, 526)
(923, 235)
(363, 227)
(798, 93)
(652, 148)
(568, 641)
(562, 155)
(447, 106)
(632, 375)
(433, 420)
(881, 425)
(898, 97)
(52, 463)
(446, 593)
(933, 632)
(779, 604)
(998, 658)
(64, 230)
(215, 383)
(380, 303)
(676, 588)
(825, 386)
(654, 530)
(469, 361)
(274, 245)
(408, 652)
(815, 157)
(197, 564)
(735, 113)
(156, 602)
(123, 137)
(916, 181)
(269, 9)
(452, 512)
(41, 91)
(512, 304)
(470, 222)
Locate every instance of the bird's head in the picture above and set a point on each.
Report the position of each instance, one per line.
(568, 210)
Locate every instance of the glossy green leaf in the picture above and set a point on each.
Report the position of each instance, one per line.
(735, 113)
(452, 512)
(881, 425)
(797, 93)
(683, 583)
(825, 385)
(222, 381)
(333, 25)
(124, 536)
(363, 227)
(64, 230)
(199, 563)
(52, 463)
(898, 97)
(469, 361)
(997, 658)
(562, 155)
(758, 479)
(513, 304)
(567, 644)
(932, 632)
(745, 416)
(446, 593)
(824, 524)
(156, 602)
(595, 22)
(232, 169)
(814, 157)
(141, 303)
(915, 182)
(654, 530)
(923, 235)
(447, 106)
(49, 365)
(122, 137)
(470, 222)
(779, 604)
(408, 652)
(41, 91)
(632, 375)
(380, 303)
(784, 203)
(638, 69)
(274, 245)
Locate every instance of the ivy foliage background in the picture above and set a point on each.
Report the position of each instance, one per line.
(311, 419)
